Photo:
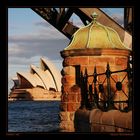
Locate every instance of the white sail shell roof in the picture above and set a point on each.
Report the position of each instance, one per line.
(32, 78)
(47, 76)
(53, 71)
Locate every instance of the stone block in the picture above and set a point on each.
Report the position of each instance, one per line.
(90, 80)
(95, 116)
(122, 119)
(75, 89)
(95, 127)
(101, 78)
(114, 78)
(77, 60)
(107, 128)
(78, 104)
(71, 97)
(90, 69)
(107, 118)
(100, 68)
(66, 88)
(63, 116)
(100, 60)
(68, 79)
(64, 97)
(69, 70)
(121, 61)
(71, 116)
(67, 126)
(79, 98)
(63, 106)
(71, 106)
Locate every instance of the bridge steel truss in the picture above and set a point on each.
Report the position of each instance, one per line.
(59, 18)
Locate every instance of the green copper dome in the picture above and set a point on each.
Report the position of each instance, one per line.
(95, 35)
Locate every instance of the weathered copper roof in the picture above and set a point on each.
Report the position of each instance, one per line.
(95, 35)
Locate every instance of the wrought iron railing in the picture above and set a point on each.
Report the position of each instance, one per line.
(92, 92)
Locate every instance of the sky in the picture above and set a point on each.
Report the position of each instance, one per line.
(30, 37)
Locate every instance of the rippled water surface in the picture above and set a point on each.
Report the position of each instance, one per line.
(33, 116)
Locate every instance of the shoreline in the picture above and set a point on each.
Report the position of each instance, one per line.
(12, 100)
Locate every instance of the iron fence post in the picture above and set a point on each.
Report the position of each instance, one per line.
(95, 90)
(82, 84)
(108, 74)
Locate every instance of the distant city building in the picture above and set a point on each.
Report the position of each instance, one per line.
(41, 83)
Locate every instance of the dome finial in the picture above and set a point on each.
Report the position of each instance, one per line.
(94, 16)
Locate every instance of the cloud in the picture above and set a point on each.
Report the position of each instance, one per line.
(48, 30)
(12, 27)
(29, 48)
(42, 24)
(42, 35)
(78, 24)
(13, 49)
(44, 42)
(14, 60)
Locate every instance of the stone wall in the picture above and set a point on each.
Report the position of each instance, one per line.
(70, 102)
(98, 121)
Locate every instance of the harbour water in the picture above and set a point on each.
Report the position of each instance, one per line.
(33, 116)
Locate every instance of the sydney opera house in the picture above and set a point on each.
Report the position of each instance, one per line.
(41, 83)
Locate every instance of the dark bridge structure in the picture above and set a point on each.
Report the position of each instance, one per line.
(59, 18)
